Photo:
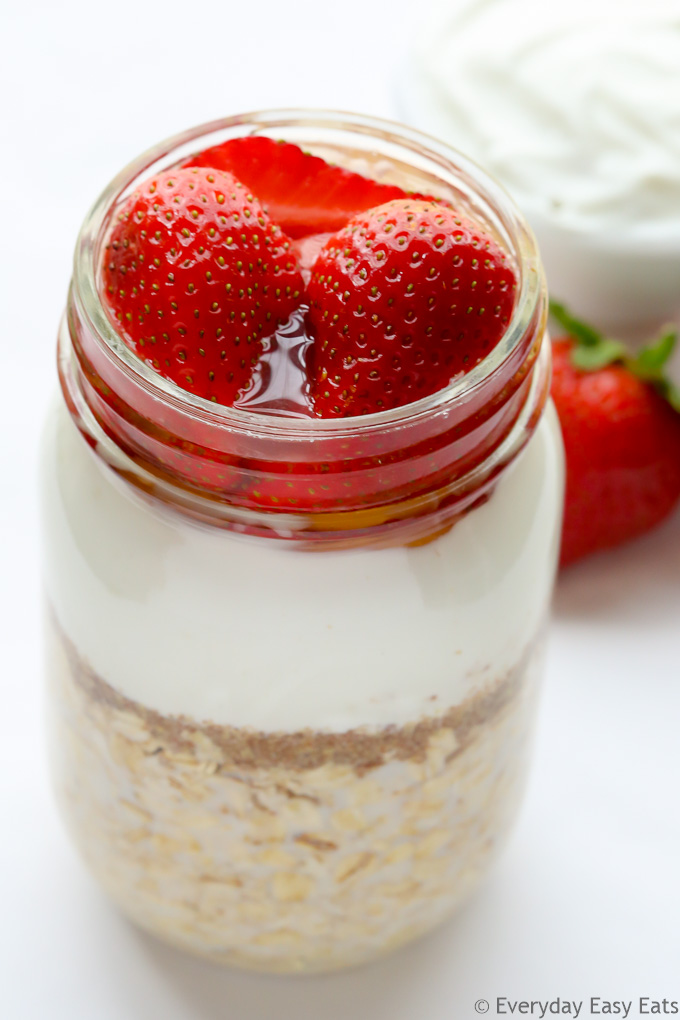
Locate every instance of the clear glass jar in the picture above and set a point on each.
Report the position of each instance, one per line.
(282, 738)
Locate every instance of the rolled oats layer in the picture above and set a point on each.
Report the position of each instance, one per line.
(286, 851)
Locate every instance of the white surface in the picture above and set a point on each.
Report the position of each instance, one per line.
(190, 604)
(587, 899)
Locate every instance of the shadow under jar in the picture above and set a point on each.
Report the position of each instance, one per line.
(295, 739)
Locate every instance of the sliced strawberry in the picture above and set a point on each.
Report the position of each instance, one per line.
(621, 437)
(195, 275)
(302, 193)
(404, 298)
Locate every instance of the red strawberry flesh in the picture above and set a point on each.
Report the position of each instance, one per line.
(302, 193)
(622, 445)
(403, 299)
(209, 291)
(196, 275)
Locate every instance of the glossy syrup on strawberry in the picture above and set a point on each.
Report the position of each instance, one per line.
(280, 383)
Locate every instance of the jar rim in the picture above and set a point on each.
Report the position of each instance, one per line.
(455, 168)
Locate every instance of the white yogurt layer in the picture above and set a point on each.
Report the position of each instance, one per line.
(190, 620)
(575, 108)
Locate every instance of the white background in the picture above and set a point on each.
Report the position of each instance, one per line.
(586, 902)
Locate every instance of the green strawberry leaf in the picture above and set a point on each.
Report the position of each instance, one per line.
(606, 352)
(580, 331)
(593, 350)
(671, 393)
(650, 362)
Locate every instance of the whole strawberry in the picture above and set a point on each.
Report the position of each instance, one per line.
(195, 275)
(621, 438)
(404, 298)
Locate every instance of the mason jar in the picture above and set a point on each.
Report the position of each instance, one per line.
(293, 734)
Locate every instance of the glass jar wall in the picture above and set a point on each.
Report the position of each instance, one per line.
(285, 738)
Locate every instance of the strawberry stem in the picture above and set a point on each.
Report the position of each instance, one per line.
(590, 358)
(593, 350)
(586, 335)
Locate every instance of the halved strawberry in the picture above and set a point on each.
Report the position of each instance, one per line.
(404, 298)
(196, 275)
(302, 193)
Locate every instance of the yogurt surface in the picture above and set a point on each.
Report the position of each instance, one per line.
(573, 106)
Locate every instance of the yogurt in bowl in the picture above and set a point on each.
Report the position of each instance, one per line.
(574, 108)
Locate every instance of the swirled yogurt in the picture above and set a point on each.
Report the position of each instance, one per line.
(576, 109)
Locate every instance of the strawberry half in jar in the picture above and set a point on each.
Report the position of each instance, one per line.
(296, 648)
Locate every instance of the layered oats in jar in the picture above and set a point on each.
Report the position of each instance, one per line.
(295, 644)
